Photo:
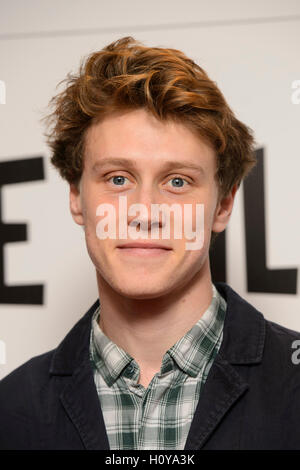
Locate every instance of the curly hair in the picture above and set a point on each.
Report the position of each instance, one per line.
(127, 75)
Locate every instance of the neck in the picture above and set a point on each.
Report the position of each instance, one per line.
(147, 328)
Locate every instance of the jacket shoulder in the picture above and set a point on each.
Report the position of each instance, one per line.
(19, 398)
(281, 330)
(26, 393)
(18, 385)
(249, 337)
(35, 371)
(35, 364)
(283, 343)
(280, 334)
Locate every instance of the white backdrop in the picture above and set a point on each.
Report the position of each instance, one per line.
(251, 49)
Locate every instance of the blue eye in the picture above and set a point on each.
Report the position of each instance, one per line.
(118, 179)
(178, 182)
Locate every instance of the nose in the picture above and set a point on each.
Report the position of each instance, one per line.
(141, 209)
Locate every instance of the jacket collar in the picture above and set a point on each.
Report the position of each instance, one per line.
(244, 329)
(243, 342)
(74, 348)
(243, 335)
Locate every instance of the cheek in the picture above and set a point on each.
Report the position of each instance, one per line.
(92, 206)
(203, 216)
(210, 205)
(91, 221)
(198, 215)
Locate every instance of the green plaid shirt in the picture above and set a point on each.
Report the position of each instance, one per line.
(159, 416)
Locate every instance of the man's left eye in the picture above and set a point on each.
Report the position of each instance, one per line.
(178, 182)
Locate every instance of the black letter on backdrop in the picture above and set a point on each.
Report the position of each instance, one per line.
(217, 256)
(18, 171)
(259, 277)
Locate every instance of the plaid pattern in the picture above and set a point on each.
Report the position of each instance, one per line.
(159, 416)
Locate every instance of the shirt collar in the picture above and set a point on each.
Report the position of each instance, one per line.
(190, 353)
(106, 356)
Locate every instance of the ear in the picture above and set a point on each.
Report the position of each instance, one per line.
(76, 204)
(223, 211)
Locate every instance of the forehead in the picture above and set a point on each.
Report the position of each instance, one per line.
(139, 137)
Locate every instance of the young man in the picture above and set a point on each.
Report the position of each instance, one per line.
(164, 359)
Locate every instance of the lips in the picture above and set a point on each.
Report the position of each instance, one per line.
(146, 246)
(144, 250)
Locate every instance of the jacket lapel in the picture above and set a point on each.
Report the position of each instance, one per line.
(242, 344)
(79, 397)
(81, 402)
(222, 389)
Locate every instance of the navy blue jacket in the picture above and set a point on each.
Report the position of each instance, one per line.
(251, 399)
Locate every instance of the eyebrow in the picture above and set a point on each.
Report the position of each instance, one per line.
(168, 165)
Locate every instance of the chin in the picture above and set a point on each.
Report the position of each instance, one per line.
(135, 291)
